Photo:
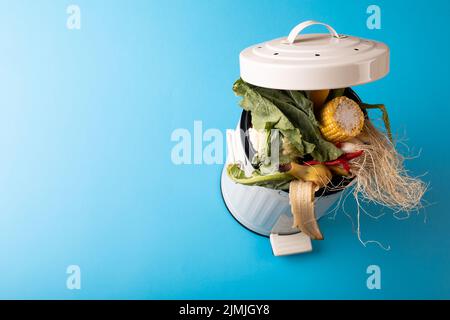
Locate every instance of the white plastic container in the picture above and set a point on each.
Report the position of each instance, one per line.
(296, 62)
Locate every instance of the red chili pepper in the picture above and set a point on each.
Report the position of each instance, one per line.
(346, 166)
(337, 162)
(352, 155)
(312, 163)
(342, 160)
(333, 163)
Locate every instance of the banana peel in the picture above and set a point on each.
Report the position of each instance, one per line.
(318, 174)
(338, 170)
(318, 97)
(309, 179)
(301, 196)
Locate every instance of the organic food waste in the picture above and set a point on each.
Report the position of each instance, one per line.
(327, 143)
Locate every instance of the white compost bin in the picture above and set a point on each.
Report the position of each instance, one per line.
(297, 62)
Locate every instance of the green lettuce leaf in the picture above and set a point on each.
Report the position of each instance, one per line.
(290, 112)
(279, 180)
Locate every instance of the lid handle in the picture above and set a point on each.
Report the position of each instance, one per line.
(300, 27)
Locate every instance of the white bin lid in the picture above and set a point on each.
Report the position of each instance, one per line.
(314, 61)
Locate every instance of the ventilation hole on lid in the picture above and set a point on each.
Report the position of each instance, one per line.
(259, 47)
(276, 53)
(317, 54)
(356, 49)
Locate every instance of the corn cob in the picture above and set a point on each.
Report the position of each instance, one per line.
(341, 119)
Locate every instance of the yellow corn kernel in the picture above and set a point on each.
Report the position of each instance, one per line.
(341, 119)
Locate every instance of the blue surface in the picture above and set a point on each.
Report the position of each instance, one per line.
(86, 176)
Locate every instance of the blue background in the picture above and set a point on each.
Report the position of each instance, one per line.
(86, 176)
